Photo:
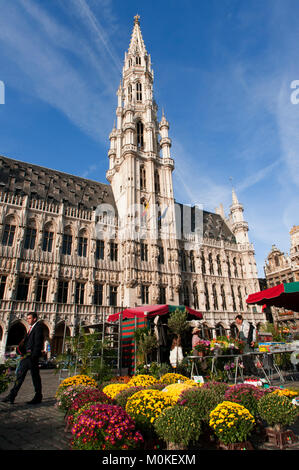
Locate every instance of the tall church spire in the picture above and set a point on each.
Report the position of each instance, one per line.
(137, 44)
(140, 165)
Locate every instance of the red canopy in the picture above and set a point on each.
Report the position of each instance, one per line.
(151, 311)
(285, 295)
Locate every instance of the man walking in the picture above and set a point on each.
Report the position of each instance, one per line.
(30, 348)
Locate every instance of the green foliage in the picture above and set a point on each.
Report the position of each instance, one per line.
(178, 424)
(177, 322)
(277, 410)
(272, 328)
(86, 355)
(245, 394)
(5, 377)
(201, 401)
(146, 342)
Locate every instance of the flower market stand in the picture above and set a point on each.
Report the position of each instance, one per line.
(141, 317)
(285, 295)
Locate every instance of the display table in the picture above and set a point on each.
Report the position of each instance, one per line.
(233, 357)
(267, 362)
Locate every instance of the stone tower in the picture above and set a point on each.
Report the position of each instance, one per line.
(140, 166)
(240, 229)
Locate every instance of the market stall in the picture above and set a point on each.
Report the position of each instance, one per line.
(285, 295)
(154, 316)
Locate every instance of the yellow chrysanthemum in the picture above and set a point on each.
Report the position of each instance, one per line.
(113, 389)
(142, 380)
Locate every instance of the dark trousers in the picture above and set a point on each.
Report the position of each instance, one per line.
(249, 366)
(28, 363)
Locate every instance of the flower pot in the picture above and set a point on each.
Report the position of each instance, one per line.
(246, 445)
(280, 438)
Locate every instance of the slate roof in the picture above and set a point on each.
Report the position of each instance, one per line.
(55, 186)
(210, 224)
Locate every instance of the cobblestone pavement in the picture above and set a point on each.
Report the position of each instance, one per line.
(41, 427)
(38, 427)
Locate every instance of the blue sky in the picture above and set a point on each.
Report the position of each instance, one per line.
(223, 71)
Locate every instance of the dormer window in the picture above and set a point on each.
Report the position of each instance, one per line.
(138, 91)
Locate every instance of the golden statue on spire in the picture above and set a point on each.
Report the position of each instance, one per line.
(136, 19)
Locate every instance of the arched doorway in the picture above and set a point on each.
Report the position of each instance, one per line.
(220, 330)
(46, 334)
(61, 331)
(16, 333)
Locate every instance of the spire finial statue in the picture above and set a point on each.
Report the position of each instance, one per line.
(136, 19)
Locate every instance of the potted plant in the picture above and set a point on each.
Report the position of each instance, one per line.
(246, 395)
(279, 413)
(232, 423)
(146, 343)
(178, 426)
(203, 347)
(104, 427)
(145, 406)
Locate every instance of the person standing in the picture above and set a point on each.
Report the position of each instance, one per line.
(195, 340)
(176, 352)
(30, 349)
(247, 334)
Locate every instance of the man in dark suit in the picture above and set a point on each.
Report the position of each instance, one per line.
(30, 349)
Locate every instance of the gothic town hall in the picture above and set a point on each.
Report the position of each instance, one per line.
(76, 250)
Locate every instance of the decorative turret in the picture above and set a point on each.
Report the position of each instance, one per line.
(238, 224)
(165, 142)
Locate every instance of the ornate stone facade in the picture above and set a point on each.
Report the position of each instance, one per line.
(283, 267)
(75, 250)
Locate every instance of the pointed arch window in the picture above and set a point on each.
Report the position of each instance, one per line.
(207, 297)
(186, 294)
(183, 260)
(139, 127)
(138, 91)
(8, 234)
(233, 299)
(157, 181)
(159, 217)
(211, 263)
(215, 299)
(138, 60)
(223, 297)
(30, 236)
(240, 298)
(203, 264)
(192, 262)
(219, 265)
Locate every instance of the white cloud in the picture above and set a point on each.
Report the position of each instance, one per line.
(59, 66)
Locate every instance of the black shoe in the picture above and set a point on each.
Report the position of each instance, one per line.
(8, 399)
(36, 399)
